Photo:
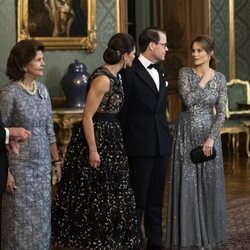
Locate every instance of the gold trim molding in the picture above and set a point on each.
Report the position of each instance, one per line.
(121, 16)
(55, 43)
(232, 70)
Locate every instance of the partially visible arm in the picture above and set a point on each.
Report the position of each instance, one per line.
(7, 97)
(19, 133)
(209, 75)
(14, 136)
(219, 117)
(56, 161)
(99, 86)
(52, 139)
(54, 152)
(220, 108)
(188, 96)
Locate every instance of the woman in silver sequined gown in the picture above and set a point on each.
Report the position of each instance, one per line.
(95, 205)
(196, 209)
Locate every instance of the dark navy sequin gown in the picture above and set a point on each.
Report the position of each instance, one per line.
(95, 209)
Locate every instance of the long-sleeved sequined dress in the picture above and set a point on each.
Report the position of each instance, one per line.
(26, 216)
(196, 209)
(95, 209)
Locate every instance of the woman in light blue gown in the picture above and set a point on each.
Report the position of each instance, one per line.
(25, 102)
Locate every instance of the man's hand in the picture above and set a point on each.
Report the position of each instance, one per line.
(10, 186)
(20, 133)
(13, 146)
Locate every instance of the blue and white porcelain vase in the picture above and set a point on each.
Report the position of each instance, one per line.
(74, 84)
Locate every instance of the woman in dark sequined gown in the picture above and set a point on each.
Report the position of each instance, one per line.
(95, 206)
(196, 209)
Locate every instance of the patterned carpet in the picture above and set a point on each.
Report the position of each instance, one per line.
(238, 227)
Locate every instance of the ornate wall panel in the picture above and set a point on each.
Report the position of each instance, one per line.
(242, 38)
(6, 34)
(220, 32)
(183, 20)
(57, 62)
(106, 21)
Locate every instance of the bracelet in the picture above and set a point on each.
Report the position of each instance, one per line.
(55, 161)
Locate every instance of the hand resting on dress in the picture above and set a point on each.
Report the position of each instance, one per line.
(19, 133)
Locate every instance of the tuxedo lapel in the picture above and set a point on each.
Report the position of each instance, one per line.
(162, 87)
(146, 77)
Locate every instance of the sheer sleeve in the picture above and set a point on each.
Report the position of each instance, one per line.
(189, 96)
(50, 124)
(220, 106)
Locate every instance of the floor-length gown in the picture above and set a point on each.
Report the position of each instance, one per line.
(196, 209)
(95, 209)
(26, 216)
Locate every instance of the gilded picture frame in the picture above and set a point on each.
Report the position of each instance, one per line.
(30, 19)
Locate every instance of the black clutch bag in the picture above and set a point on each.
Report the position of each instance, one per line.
(197, 155)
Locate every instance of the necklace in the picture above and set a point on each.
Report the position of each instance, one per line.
(31, 91)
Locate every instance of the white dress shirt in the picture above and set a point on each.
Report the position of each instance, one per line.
(153, 72)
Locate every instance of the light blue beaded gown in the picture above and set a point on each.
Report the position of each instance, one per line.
(26, 216)
(196, 208)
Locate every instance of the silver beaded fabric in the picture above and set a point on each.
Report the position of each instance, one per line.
(95, 209)
(196, 209)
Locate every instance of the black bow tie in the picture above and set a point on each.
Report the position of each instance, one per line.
(156, 66)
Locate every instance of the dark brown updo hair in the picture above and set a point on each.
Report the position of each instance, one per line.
(207, 44)
(20, 55)
(118, 45)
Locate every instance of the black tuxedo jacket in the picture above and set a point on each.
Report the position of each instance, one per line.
(143, 116)
(3, 158)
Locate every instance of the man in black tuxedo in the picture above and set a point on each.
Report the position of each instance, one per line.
(146, 133)
(7, 134)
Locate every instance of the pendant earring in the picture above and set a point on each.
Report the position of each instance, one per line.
(124, 65)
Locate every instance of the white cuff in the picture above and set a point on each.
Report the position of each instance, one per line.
(7, 137)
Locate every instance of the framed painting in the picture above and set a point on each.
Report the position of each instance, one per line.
(59, 24)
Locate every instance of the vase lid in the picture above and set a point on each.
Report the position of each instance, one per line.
(77, 67)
